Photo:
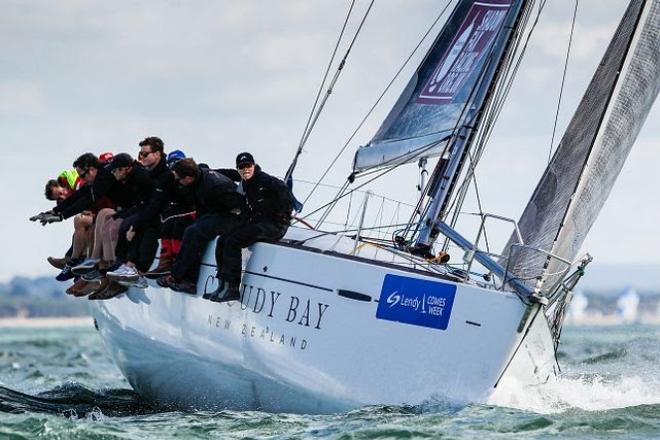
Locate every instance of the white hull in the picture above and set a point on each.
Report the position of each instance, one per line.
(295, 344)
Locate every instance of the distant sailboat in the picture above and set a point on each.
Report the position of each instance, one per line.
(627, 306)
(331, 321)
(577, 309)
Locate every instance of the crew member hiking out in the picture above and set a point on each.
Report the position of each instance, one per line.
(269, 209)
(96, 193)
(57, 190)
(134, 186)
(144, 223)
(219, 208)
(175, 218)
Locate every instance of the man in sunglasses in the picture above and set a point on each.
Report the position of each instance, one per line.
(269, 209)
(219, 209)
(139, 233)
(178, 214)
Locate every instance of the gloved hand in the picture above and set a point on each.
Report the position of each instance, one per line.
(45, 217)
(35, 218)
(49, 217)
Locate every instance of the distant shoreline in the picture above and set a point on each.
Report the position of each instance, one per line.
(77, 321)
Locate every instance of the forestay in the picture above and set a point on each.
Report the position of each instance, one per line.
(591, 154)
(434, 102)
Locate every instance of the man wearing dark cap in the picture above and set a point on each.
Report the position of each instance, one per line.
(136, 189)
(219, 209)
(269, 210)
(143, 224)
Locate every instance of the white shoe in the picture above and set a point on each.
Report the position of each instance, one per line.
(124, 273)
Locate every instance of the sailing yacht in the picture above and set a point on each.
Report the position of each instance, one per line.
(332, 321)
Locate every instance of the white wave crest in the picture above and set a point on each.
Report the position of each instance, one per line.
(588, 393)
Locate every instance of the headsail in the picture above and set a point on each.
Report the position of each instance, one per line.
(591, 154)
(434, 102)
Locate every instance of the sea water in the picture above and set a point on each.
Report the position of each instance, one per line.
(61, 384)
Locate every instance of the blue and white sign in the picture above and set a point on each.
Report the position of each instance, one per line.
(415, 301)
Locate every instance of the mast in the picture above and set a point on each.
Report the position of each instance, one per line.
(448, 170)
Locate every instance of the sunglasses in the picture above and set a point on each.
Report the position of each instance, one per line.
(245, 165)
(143, 154)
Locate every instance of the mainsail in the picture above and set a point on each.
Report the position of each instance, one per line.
(435, 101)
(591, 154)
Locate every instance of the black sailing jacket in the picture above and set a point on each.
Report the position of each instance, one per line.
(214, 193)
(136, 190)
(268, 198)
(104, 185)
(162, 192)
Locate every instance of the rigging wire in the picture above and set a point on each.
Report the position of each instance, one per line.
(318, 94)
(512, 76)
(334, 80)
(341, 194)
(327, 185)
(492, 111)
(505, 64)
(496, 108)
(563, 79)
(396, 161)
(382, 95)
(499, 102)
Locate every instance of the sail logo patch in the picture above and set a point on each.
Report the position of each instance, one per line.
(416, 301)
(468, 49)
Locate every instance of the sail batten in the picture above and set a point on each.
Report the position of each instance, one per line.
(591, 154)
(438, 98)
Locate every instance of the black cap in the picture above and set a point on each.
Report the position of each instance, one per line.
(121, 160)
(244, 159)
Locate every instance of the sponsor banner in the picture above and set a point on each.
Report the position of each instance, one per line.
(470, 45)
(416, 301)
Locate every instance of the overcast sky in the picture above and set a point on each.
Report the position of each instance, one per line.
(218, 77)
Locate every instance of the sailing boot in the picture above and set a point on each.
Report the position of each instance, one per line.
(57, 263)
(222, 285)
(76, 287)
(184, 286)
(230, 293)
(164, 268)
(93, 287)
(113, 289)
(166, 281)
